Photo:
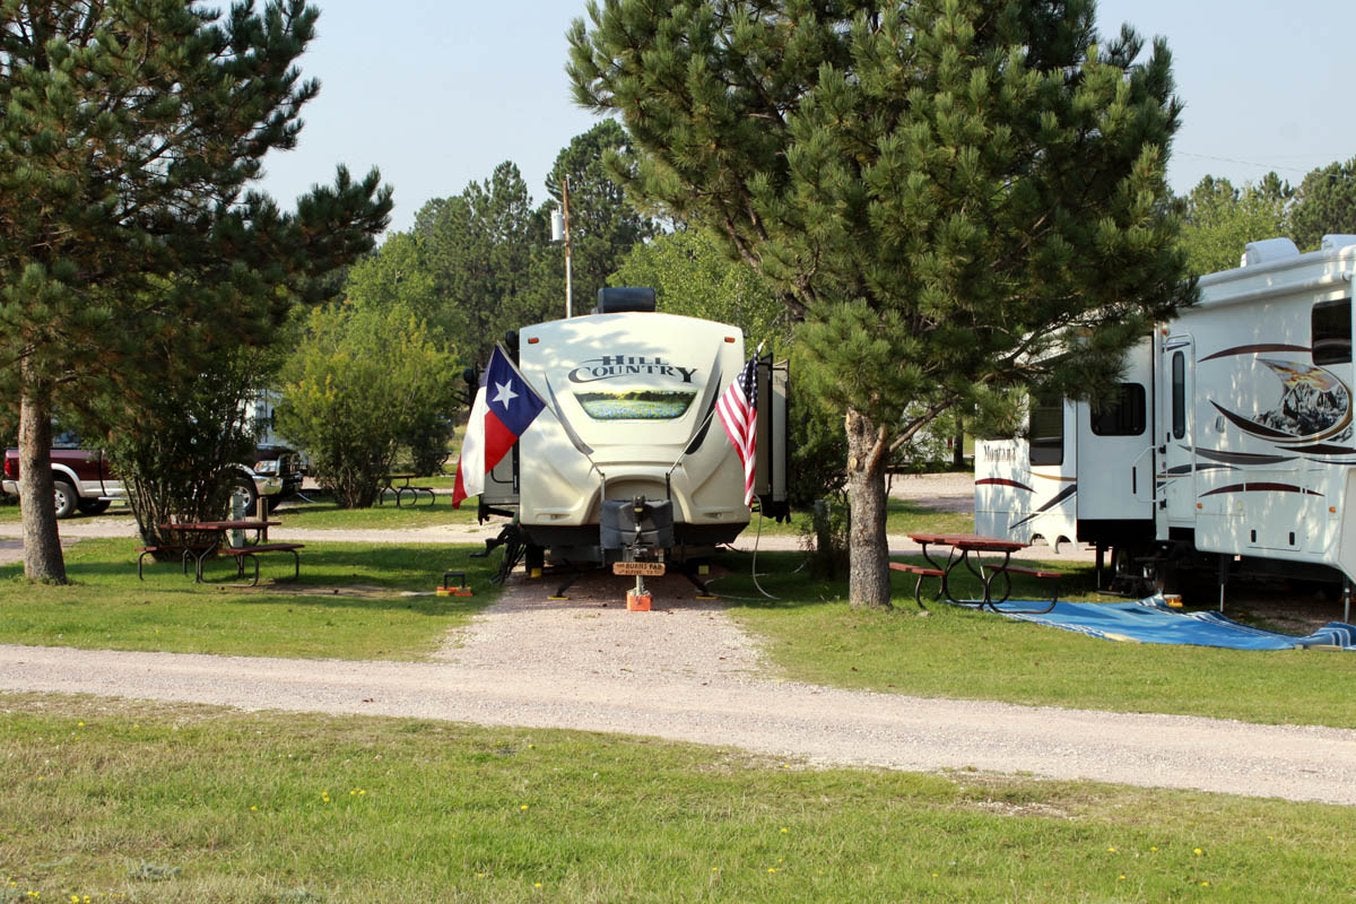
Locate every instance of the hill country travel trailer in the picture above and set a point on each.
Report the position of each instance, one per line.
(627, 460)
(1229, 444)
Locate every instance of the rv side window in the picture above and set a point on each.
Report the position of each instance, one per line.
(1123, 414)
(1331, 322)
(1178, 395)
(1047, 431)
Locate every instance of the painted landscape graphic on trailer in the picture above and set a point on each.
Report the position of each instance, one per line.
(1314, 406)
(648, 405)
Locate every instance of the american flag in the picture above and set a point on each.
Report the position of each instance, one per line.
(738, 410)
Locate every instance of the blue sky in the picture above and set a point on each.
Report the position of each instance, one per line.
(438, 93)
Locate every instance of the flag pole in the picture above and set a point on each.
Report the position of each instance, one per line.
(758, 353)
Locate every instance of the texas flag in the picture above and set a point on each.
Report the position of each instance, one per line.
(504, 407)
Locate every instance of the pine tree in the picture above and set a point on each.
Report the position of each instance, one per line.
(947, 191)
(604, 226)
(479, 247)
(1325, 203)
(130, 131)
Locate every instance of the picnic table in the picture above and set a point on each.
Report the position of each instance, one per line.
(202, 540)
(970, 551)
(389, 485)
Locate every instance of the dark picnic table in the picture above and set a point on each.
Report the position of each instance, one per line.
(988, 559)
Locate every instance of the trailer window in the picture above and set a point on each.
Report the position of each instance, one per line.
(1123, 414)
(643, 405)
(1331, 330)
(1178, 395)
(1047, 431)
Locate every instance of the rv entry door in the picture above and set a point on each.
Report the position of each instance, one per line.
(1175, 422)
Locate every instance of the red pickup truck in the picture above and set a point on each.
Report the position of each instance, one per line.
(83, 481)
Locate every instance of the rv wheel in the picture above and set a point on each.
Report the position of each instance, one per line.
(1121, 562)
(1130, 575)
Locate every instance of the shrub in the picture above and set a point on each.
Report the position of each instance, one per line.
(362, 382)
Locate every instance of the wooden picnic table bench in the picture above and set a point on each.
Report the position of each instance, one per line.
(968, 550)
(241, 553)
(198, 541)
(922, 572)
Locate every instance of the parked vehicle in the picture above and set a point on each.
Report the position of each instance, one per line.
(627, 448)
(1228, 447)
(83, 481)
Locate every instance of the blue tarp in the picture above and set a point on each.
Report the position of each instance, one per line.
(1152, 621)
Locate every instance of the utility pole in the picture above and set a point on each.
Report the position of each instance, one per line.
(560, 231)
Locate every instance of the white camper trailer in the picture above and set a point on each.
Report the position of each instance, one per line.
(1229, 444)
(628, 453)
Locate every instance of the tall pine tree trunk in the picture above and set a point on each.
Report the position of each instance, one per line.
(868, 549)
(43, 560)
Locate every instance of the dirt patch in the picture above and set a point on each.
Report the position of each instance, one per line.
(1284, 606)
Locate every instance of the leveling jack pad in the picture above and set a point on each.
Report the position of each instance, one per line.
(461, 589)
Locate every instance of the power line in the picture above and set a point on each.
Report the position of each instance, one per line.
(1343, 172)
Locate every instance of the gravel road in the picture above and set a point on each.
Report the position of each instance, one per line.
(686, 672)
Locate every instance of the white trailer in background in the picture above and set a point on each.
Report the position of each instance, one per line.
(627, 461)
(1229, 444)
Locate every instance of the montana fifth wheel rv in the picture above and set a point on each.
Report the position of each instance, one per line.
(627, 459)
(1228, 445)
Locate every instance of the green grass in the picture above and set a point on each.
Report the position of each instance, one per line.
(148, 803)
(812, 634)
(323, 513)
(351, 602)
(903, 517)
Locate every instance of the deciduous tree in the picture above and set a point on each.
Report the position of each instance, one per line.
(362, 382)
(130, 132)
(949, 191)
(1220, 220)
(694, 274)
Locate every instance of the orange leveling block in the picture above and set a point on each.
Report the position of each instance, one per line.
(462, 589)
